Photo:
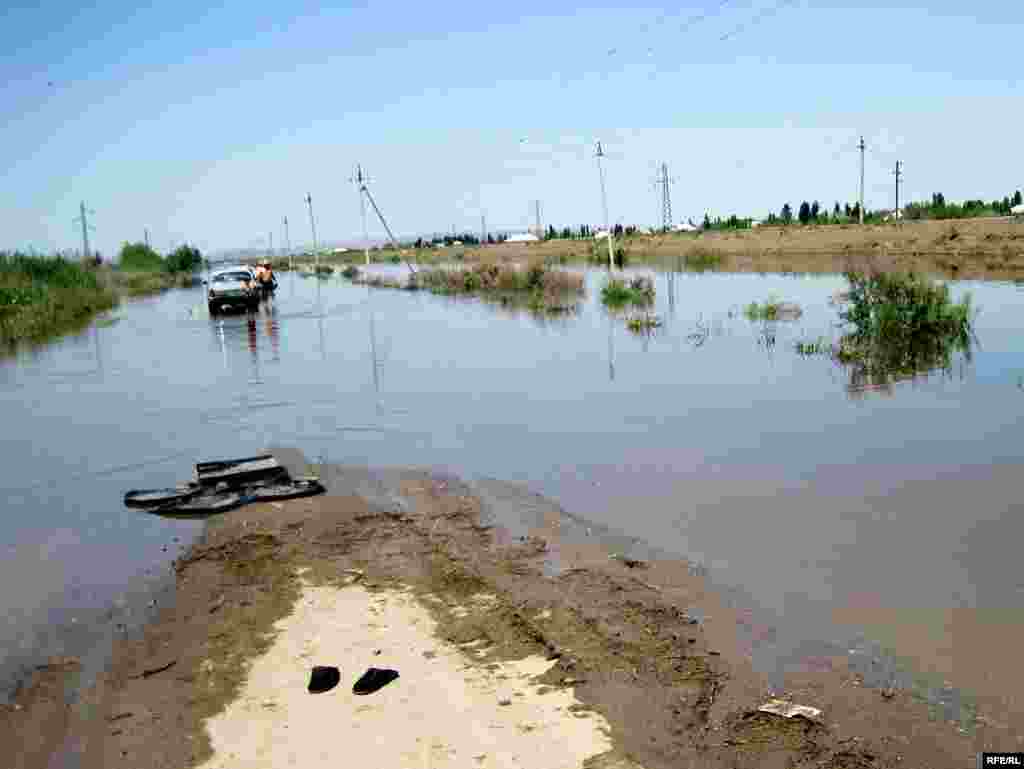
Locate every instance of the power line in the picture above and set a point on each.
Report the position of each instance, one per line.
(394, 242)
(766, 13)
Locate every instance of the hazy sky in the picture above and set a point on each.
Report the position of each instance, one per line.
(211, 125)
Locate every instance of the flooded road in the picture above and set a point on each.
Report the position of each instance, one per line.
(875, 524)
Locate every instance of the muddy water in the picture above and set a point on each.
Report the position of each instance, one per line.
(877, 525)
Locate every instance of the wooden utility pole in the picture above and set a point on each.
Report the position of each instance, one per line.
(604, 205)
(898, 173)
(312, 224)
(862, 147)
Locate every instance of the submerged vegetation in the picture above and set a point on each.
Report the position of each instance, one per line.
(897, 327)
(901, 325)
(772, 309)
(702, 259)
(598, 254)
(42, 297)
(637, 291)
(643, 323)
(537, 286)
(811, 347)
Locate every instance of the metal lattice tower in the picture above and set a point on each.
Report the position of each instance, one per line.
(664, 182)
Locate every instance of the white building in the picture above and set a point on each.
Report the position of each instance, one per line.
(522, 237)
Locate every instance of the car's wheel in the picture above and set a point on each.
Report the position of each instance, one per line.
(214, 308)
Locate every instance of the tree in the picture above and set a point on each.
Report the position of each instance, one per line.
(855, 211)
(835, 211)
(184, 259)
(805, 212)
(1017, 199)
(815, 209)
(787, 214)
(140, 257)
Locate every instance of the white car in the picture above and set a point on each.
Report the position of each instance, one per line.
(232, 287)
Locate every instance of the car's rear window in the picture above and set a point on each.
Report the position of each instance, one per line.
(231, 277)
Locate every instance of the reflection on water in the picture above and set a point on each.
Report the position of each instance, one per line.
(713, 426)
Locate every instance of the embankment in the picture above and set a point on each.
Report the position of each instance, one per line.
(44, 298)
(414, 578)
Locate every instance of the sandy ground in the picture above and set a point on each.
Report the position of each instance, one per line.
(453, 712)
(650, 666)
(972, 248)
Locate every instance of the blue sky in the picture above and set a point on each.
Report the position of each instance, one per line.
(211, 124)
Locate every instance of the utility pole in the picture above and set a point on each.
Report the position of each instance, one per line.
(312, 224)
(862, 147)
(896, 213)
(271, 233)
(536, 212)
(604, 205)
(145, 235)
(287, 244)
(663, 181)
(483, 230)
(83, 218)
(361, 180)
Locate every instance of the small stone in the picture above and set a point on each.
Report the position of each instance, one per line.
(504, 702)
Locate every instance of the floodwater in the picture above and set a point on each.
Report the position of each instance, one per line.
(880, 524)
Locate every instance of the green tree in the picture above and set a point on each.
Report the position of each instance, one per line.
(815, 209)
(805, 212)
(1017, 199)
(707, 222)
(787, 214)
(836, 210)
(184, 259)
(140, 257)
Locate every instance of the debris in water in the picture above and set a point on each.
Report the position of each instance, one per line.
(374, 679)
(789, 710)
(632, 563)
(323, 678)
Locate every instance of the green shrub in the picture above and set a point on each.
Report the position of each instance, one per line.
(138, 257)
(620, 293)
(183, 259)
(701, 259)
(772, 309)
